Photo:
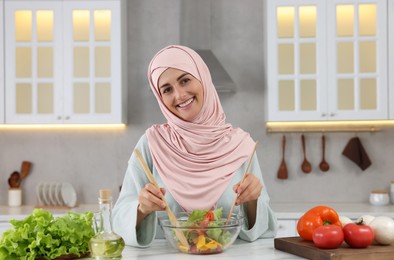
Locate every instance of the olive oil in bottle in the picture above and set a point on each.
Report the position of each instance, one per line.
(106, 244)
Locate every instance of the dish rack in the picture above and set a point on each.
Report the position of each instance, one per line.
(55, 195)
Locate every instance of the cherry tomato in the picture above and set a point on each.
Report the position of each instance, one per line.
(209, 216)
(358, 235)
(328, 236)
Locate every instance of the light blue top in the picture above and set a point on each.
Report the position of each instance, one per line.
(125, 209)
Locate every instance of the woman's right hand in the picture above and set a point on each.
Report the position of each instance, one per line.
(150, 199)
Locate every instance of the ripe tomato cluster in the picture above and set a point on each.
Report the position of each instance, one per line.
(321, 225)
(332, 236)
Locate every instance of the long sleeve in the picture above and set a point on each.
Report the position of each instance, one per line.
(266, 223)
(125, 209)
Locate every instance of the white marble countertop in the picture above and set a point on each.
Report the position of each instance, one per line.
(259, 249)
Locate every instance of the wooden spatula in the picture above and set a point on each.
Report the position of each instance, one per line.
(171, 215)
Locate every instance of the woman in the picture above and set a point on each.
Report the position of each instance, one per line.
(197, 158)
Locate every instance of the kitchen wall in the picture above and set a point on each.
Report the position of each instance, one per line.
(95, 159)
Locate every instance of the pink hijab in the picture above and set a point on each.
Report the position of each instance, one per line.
(196, 160)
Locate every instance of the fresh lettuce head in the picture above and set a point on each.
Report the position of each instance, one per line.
(42, 235)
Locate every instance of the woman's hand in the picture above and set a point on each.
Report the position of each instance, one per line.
(249, 190)
(150, 199)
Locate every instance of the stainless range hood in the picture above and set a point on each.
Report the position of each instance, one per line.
(195, 32)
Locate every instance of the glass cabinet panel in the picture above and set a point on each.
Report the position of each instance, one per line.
(308, 58)
(307, 18)
(45, 26)
(285, 22)
(23, 62)
(23, 26)
(367, 55)
(345, 20)
(286, 58)
(367, 19)
(81, 25)
(102, 25)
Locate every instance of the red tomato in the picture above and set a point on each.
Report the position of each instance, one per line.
(328, 236)
(357, 235)
(210, 216)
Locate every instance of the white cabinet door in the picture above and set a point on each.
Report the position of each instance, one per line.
(65, 62)
(357, 53)
(33, 50)
(2, 80)
(296, 66)
(287, 228)
(391, 57)
(315, 71)
(92, 62)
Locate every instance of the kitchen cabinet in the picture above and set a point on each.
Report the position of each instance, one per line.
(391, 57)
(327, 60)
(66, 62)
(1, 64)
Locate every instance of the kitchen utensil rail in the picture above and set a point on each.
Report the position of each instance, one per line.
(171, 215)
(242, 180)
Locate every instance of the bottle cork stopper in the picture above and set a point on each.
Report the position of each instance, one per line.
(105, 194)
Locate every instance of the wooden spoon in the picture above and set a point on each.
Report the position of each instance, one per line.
(282, 172)
(306, 166)
(25, 169)
(171, 215)
(324, 166)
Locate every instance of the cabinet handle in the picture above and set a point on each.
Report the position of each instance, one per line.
(332, 114)
(323, 115)
(59, 118)
(67, 117)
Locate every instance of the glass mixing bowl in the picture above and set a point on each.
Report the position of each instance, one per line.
(211, 239)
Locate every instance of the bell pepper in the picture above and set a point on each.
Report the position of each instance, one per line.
(314, 218)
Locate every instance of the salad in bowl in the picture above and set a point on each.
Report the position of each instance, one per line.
(206, 231)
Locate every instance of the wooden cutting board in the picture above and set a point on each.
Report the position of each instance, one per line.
(298, 246)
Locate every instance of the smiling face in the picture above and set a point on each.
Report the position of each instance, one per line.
(181, 93)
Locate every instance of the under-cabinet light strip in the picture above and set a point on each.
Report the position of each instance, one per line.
(332, 126)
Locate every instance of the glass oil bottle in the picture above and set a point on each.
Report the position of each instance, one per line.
(106, 244)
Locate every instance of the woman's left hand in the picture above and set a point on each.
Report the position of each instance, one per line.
(249, 190)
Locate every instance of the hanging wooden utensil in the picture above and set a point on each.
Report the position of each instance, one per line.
(282, 172)
(306, 166)
(171, 215)
(324, 166)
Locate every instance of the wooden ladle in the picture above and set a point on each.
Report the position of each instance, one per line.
(282, 172)
(324, 166)
(306, 166)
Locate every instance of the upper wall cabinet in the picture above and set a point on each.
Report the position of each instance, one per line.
(391, 57)
(1, 64)
(327, 60)
(65, 61)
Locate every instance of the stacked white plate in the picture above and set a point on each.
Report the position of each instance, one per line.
(56, 194)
